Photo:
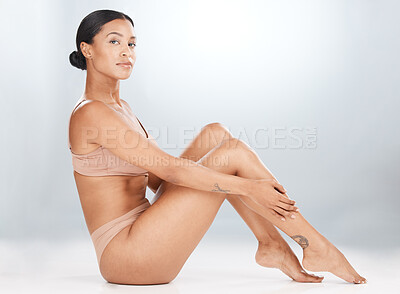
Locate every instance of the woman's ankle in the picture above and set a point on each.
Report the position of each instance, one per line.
(319, 245)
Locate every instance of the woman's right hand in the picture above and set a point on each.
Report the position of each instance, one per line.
(271, 195)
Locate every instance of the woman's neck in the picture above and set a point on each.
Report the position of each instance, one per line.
(103, 89)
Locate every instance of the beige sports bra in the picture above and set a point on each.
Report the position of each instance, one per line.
(102, 162)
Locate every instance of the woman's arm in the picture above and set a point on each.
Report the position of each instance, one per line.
(110, 129)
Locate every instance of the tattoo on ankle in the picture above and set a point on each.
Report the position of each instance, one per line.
(301, 240)
(218, 189)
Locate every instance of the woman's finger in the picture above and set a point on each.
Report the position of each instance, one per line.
(285, 200)
(284, 212)
(280, 217)
(287, 206)
(284, 194)
(279, 187)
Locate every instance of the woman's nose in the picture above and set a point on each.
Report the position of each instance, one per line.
(126, 52)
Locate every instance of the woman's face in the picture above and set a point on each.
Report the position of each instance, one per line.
(114, 44)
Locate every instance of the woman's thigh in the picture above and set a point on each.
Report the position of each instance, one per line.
(164, 236)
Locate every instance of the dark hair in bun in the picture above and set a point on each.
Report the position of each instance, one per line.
(88, 28)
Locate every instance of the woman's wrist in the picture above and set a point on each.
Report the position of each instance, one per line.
(248, 187)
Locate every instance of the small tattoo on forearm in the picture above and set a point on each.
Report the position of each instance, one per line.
(218, 189)
(303, 242)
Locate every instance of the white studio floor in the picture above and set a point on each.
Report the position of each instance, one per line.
(214, 267)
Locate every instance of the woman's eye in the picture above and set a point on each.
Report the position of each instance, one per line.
(130, 44)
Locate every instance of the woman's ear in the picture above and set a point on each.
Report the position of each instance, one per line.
(86, 50)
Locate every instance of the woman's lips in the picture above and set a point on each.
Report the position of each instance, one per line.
(125, 65)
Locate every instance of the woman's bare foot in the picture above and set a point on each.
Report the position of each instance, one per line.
(324, 256)
(278, 254)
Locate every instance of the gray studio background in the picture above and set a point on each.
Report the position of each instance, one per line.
(316, 80)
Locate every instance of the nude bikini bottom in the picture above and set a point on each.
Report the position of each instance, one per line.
(104, 234)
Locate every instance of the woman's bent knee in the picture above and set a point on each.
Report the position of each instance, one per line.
(236, 151)
(219, 131)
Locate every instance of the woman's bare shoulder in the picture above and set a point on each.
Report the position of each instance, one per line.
(85, 118)
(89, 109)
